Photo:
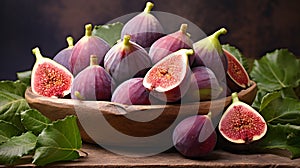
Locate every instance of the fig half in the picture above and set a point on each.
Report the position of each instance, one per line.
(241, 124)
(169, 79)
(237, 76)
(49, 78)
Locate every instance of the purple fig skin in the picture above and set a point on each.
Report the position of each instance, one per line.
(169, 79)
(132, 92)
(63, 56)
(195, 136)
(171, 43)
(92, 83)
(126, 59)
(204, 85)
(88, 45)
(209, 53)
(144, 28)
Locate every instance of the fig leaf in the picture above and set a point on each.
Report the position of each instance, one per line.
(24, 77)
(11, 105)
(276, 70)
(34, 121)
(16, 147)
(284, 137)
(58, 142)
(7, 131)
(111, 33)
(15, 87)
(276, 109)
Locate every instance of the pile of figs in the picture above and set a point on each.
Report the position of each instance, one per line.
(146, 66)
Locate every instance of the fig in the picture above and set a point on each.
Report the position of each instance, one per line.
(241, 124)
(144, 28)
(171, 43)
(195, 136)
(209, 53)
(126, 59)
(237, 76)
(204, 85)
(49, 78)
(169, 79)
(63, 56)
(92, 83)
(88, 45)
(132, 92)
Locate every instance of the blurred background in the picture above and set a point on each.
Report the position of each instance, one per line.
(254, 26)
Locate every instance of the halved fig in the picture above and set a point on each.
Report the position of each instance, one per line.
(241, 124)
(237, 76)
(49, 78)
(169, 79)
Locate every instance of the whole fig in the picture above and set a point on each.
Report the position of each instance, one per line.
(144, 28)
(171, 43)
(88, 45)
(169, 79)
(49, 78)
(204, 85)
(195, 136)
(241, 123)
(92, 83)
(209, 53)
(126, 59)
(132, 92)
(63, 56)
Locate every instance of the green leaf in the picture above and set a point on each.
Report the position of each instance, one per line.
(11, 105)
(111, 33)
(16, 147)
(16, 87)
(58, 142)
(269, 97)
(24, 77)
(237, 54)
(258, 99)
(7, 131)
(286, 137)
(276, 109)
(276, 70)
(34, 121)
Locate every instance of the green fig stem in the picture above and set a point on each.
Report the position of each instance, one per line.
(183, 28)
(78, 95)
(209, 114)
(148, 8)
(219, 32)
(36, 51)
(189, 51)
(88, 29)
(70, 41)
(93, 60)
(235, 97)
(126, 40)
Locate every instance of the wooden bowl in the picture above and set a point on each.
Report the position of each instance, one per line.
(111, 123)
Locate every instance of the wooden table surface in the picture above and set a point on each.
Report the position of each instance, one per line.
(98, 157)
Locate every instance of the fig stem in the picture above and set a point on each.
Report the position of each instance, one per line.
(78, 95)
(93, 60)
(148, 8)
(189, 52)
(36, 51)
(70, 41)
(183, 28)
(88, 29)
(235, 97)
(219, 32)
(126, 40)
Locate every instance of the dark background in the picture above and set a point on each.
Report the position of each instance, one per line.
(254, 26)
